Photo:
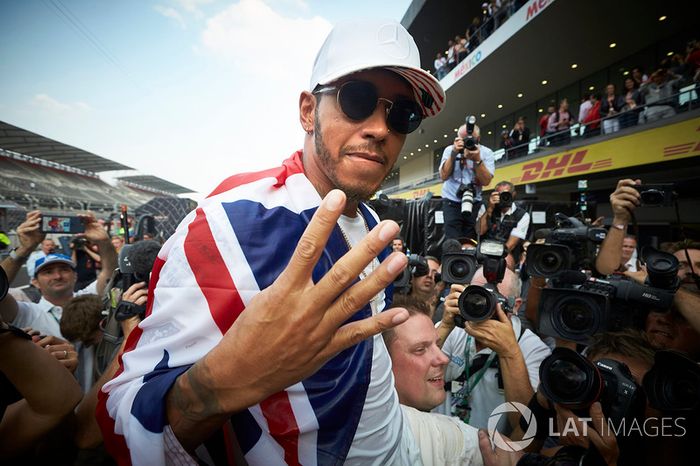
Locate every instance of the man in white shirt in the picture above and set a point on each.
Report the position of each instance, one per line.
(499, 358)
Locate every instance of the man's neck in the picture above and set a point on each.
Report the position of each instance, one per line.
(58, 300)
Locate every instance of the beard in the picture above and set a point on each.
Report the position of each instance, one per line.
(360, 190)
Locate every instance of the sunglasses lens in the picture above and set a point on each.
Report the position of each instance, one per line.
(358, 99)
(405, 116)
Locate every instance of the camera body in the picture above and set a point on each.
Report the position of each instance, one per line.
(505, 200)
(571, 245)
(655, 195)
(597, 306)
(573, 381)
(79, 242)
(417, 267)
(478, 303)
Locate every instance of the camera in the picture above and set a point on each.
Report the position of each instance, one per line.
(470, 141)
(605, 305)
(505, 200)
(655, 195)
(673, 383)
(571, 245)
(478, 303)
(417, 267)
(466, 193)
(573, 381)
(79, 242)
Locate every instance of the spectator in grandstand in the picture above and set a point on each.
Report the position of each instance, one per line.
(504, 356)
(474, 33)
(36, 393)
(460, 48)
(585, 106)
(506, 142)
(610, 106)
(658, 96)
(633, 99)
(418, 367)
(558, 125)
(692, 59)
(440, 65)
(117, 242)
(591, 123)
(451, 55)
(639, 76)
(460, 168)
(502, 220)
(543, 123)
(520, 139)
(486, 20)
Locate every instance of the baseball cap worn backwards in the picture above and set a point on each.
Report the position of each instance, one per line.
(52, 259)
(360, 45)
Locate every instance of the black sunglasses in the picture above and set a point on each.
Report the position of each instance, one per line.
(359, 99)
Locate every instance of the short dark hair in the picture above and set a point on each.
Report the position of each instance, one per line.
(414, 307)
(81, 317)
(680, 245)
(629, 342)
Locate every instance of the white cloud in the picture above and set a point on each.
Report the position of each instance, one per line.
(171, 13)
(49, 104)
(192, 6)
(259, 40)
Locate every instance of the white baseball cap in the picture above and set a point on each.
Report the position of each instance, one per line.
(359, 45)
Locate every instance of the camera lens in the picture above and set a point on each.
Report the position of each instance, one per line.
(476, 303)
(460, 269)
(681, 392)
(662, 268)
(576, 316)
(652, 197)
(570, 379)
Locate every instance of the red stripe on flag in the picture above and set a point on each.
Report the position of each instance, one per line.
(115, 444)
(210, 271)
(282, 424)
(290, 166)
(679, 146)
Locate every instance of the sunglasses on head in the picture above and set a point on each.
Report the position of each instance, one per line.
(359, 99)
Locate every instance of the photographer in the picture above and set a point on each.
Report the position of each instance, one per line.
(623, 202)
(424, 287)
(465, 167)
(510, 222)
(499, 359)
(86, 261)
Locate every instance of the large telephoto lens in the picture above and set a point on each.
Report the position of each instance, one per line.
(568, 378)
(476, 303)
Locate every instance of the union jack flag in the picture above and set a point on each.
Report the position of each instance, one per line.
(232, 246)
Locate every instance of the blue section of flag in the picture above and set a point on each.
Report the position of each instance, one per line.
(149, 402)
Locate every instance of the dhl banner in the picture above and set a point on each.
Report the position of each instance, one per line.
(672, 142)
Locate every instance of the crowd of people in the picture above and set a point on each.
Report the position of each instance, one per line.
(493, 14)
(266, 329)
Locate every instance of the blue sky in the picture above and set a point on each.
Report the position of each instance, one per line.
(188, 90)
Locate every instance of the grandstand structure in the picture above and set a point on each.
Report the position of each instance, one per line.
(543, 52)
(37, 172)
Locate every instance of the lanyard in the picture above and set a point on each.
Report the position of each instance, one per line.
(468, 387)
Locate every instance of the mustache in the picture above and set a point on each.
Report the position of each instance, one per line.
(370, 147)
